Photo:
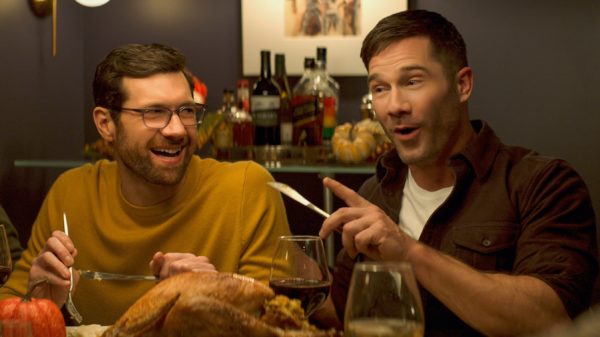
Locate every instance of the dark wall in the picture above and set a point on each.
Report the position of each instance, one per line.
(41, 101)
(536, 76)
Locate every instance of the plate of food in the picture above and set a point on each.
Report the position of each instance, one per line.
(215, 304)
(91, 330)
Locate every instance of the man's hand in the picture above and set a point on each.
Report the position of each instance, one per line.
(165, 265)
(365, 227)
(53, 263)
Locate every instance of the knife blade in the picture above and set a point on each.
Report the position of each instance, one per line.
(100, 276)
(295, 195)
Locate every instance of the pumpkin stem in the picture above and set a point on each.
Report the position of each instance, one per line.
(27, 296)
(351, 133)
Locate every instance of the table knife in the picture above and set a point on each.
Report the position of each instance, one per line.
(100, 276)
(295, 195)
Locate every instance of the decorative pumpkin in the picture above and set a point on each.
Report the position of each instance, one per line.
(45, 317)
(383, 143)
(374, 128)
(352, 145)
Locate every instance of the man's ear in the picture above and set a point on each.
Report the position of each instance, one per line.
(104, 123)
(464, 84)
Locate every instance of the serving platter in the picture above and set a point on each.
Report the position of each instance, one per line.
(90, 330)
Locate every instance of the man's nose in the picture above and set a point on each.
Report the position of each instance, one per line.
(175, 127)
(399, 102)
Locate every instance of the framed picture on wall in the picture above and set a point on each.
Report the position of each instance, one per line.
(297, 27)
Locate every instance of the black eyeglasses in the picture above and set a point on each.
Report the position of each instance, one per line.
(159, 117)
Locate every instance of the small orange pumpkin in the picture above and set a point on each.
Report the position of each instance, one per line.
(45, 317)
(352, 145)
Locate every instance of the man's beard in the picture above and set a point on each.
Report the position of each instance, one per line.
(141, 164)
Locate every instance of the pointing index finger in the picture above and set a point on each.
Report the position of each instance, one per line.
(349, 196)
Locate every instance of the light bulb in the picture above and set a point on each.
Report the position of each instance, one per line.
(91, 3)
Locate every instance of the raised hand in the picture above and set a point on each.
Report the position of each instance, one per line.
(365, 227)
(53, 263)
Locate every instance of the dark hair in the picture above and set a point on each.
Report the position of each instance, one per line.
(137, 61)
(448, 45)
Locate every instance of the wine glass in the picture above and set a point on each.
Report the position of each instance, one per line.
(5, 260)
(299, 271)
(383, 300)
(15, 328)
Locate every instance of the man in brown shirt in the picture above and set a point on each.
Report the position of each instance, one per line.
(501, 239)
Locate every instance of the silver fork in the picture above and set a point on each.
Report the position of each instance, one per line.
(75, 315)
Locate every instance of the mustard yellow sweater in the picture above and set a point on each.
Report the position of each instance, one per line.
(223, 210)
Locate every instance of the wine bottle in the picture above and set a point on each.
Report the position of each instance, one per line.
(285, 116)
(265, 104)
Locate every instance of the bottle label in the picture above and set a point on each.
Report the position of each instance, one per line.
(223, 136)
(265, 110)
(308, 123)
(286, 132)
(329, 115)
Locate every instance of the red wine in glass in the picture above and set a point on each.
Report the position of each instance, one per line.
(299, 270)
(311, 293)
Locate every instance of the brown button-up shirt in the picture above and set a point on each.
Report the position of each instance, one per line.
(511, 210)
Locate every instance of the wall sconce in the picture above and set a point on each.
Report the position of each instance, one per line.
(42, 8)
(91, 3)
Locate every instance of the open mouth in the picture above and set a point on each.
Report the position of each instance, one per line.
(167, 152)
(405, 130)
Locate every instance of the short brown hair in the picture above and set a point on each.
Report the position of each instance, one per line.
(448, 45)
(137, 61)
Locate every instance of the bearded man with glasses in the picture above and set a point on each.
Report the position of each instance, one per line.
(158, 208)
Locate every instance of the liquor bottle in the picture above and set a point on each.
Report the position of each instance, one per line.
(265, 104)
(307, 119)
(222, 136)
(285, 115)
(331, 100)
(243, 95)
(242, 120)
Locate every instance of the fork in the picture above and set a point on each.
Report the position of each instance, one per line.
(75, 315)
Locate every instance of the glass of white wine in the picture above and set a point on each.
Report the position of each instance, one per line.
(5, 259)
(383, 301)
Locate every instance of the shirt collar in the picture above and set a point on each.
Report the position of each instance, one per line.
(481, 152)
(479, 155)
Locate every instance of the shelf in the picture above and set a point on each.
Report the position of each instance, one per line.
(64, 164)
(276, 167)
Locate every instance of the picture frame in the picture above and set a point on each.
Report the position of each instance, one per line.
(279, 26)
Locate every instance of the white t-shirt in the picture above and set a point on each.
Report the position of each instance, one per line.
(418, 205)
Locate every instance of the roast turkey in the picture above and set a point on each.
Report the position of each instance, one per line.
(203, 304)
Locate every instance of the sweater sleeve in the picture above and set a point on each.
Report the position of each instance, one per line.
(265, 220)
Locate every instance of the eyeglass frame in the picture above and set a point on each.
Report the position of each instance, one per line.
(142, 111)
